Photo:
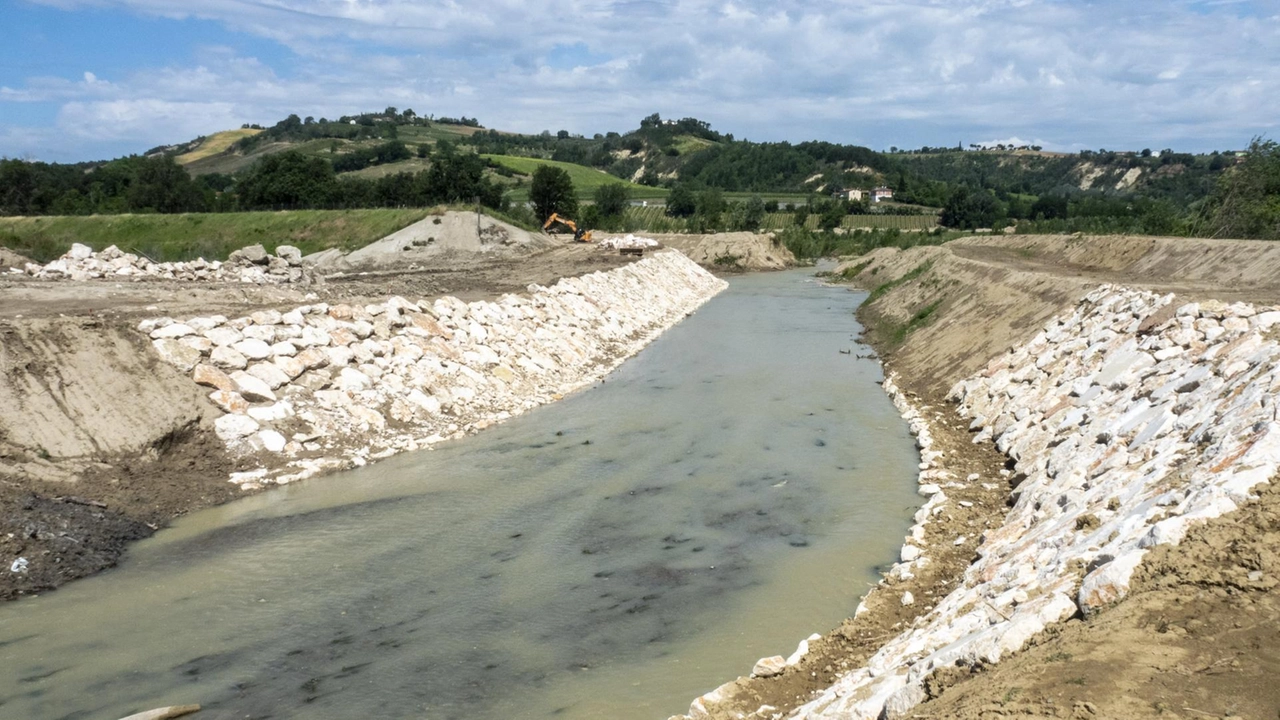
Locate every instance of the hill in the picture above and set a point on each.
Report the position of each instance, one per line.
(215, 144)
(585, 179)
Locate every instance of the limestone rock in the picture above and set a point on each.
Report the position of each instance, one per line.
(270, 374)
(223, 356)
(231, 402)
(223, 335)
(272, 440)
(253, 349)
(214, 378)
(769, 667)
(252, 387)
(177, 354)
(234, 427)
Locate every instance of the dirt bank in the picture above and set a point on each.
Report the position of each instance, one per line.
(939, 315)
(101, 442)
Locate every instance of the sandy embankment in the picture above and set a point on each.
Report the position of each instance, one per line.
(1129, 421)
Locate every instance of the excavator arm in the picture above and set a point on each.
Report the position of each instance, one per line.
(578, 234)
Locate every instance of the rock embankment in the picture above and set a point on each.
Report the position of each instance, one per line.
(326, 386)
(251, 264)
(1130, 418)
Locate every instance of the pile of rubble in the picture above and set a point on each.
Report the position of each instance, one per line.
(1132, 419)
(628, 242)
(329, 386)
(252, 264)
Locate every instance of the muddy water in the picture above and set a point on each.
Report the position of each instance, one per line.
(724, 494)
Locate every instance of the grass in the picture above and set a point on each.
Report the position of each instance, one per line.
(882, 289)
(214, 144)
(686, 144)
(779, 220)
(208, 235)
(585, 179)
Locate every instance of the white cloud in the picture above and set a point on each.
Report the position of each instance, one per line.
(1131, 74)
(108, 120)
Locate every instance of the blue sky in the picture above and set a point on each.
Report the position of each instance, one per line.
(92, 79)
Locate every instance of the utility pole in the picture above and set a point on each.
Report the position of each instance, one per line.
(478, 236)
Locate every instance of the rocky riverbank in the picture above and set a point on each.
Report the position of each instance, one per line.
(1132, 418)
(322, 386)
(103, 442)
(1130, 421)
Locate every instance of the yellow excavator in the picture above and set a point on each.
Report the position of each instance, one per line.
(579, 235)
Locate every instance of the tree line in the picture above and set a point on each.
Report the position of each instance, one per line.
(283, 180)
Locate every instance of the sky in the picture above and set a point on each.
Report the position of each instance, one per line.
(95, 79)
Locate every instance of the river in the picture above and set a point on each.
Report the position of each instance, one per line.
(725, 493)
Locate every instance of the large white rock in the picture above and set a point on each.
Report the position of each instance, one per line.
(224, 335)
(253, 388)
(352, 380)
(1108, 583)
(272, 440)
(270, 374)
(253, 349)
(177, 354)
(225, 357)
(174, 330)
(770, 666)
(234, 427)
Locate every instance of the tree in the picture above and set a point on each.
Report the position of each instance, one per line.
(288, 179)
(551, 191)
(1049, 207)
(681, 202)
(830, 215)
(967, 210)
(801, 215)
(1246, 201)
(17, 187)
(753, 211)
(612, 199)
(711, 206)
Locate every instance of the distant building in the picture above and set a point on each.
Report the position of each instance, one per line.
(855, 195)
(881, 193)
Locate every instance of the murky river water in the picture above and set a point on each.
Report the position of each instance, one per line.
(724, 494)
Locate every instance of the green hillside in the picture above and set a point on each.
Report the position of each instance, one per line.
(212, 236)
(585, 179)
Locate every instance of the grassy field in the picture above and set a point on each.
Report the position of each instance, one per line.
(686, 144)
(654, 219)
(585, 179)
(208, 235)
(214, 144)
(777, 221)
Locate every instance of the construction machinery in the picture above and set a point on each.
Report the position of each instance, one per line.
(579, 235)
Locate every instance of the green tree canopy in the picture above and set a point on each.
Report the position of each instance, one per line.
(967, 210)
(288, 179)
(681, 202)
(551, 191)
(612, 199)
(1246, 201)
